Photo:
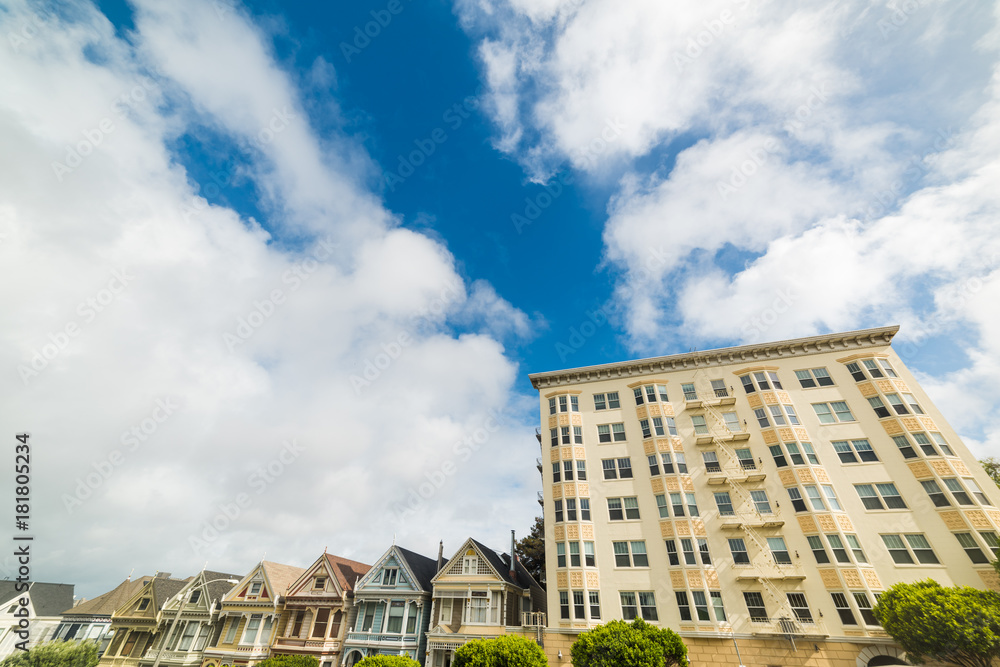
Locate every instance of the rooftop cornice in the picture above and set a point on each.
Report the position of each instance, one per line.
(757, 352)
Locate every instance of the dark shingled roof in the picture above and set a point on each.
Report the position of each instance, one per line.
(46, 599)
(501, 563)
(347, 571)
(104, 605)
(164, 589)
(423, 568)
(217, 589)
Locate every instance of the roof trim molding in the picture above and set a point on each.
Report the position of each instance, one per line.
(757, 352)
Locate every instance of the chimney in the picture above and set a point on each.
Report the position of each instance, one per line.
(513, 572)
(440, 555)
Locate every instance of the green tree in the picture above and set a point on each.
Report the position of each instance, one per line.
(503, 651)
(55, 654)
(388, 661)
(635, 644)
(959, 625)
(992, 468)
(290, 661)
(531, 551)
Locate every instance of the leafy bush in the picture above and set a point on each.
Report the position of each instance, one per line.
(959, 625)
(635, 644)
(504, 651)
(55, 654)
(290, 661)
(387, 661)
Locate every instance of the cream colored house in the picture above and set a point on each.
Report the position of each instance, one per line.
(755, 499)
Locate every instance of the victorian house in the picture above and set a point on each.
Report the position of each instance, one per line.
(479, 594)
(249, 614)
(391, 607)
(44, 606)
(91, 619)
(135, 623)
(316, 608)
(189, 621)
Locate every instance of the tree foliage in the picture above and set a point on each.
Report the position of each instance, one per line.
(55, 654)
(531, 550)
(290, 661)
(387, 661)
(992, 468)
(635, 644)
(503, 651)
(959, 625)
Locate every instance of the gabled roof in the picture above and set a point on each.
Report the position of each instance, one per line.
(158, 588)
(218, 585)
(500, 562)
(280, 576)
(104, 605)
(46, 599)
(347, 571)
(423, 568)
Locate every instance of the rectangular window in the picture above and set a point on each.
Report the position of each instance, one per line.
(794, 453)
(631, 507)
(700, 426)
(639, 558)
(732, 422)
(579, 606)
(568, 471)
(554, 433)
(658, 427)
(868, 496)
(814, 377)
(662, 507)
(793, 418)
(887, 368)
(672, 552)
(879, 407)
(855, 370)
(603, 433)
(610, 471)
(682, 467)
(637, 393)
(571, 509)
(701, 605)
(706, 558)
(595, 604)
(748, 384)
(711, 460)
(925, 444)
(872, 368)
(692, 505)
(897, 549)
(650, 394)
(581, 470)
(578, 435)
(615, 509)
(625, 468)
(936, 494)
(971, 548)
(777, 415)
(779, 456)
(921, 548)
(250, 633)
(564, 604)
(738, 549)
(647, 605)
(911, 400)
(564, 432)
(654, 465)
(557, 506)
(719, 387)
(855, 544)
(990, 538)
(824, 413)
(621, 554)
(897, 404)
(905, 448)
(322, 618)
(687, 548)
(760, 502)
(189, 630)
(600, 403)
(574, 403)
(755, 606)
(779, 551)
(585, 509)
(977, 491)
(890, 496)
(837, 545)
(589, 559)
(618, 432)
(689, 393)
(629, 607)
(724, 502)
(797, 601)
(562, 404)
(613, 402)
(231, 632)
(560, 554)
(815, 499)
(668, 466)
(746, 459)
(720, 611)
(842, 411)
(798, 504)
(819, 551)
(844, 609)
(661, 389)
(810, 453)
(644, 427)
(671, 425)
(957, 491)
(395, 623)
(761, 415)
(683, 605)
(831, 497)
(556, 472)
(552, 406)
(677, 504)
(865, 607)
(939, 439)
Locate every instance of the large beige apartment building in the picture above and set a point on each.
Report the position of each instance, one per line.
(755, 499)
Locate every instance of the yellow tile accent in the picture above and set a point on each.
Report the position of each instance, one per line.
(694, 579)
(805, 475)
(560, 532)
(678, 445)
(871, 578)
(845, 522)
(573, 531)
(892, 426)
(657, 484)
(867, 389)
(769, 397)
(569, 489)
(900, 385)
(978, 519)
(784, 397)
(920, 469)
(553, 421)
(687, 483)
(640, 412)
(676, 579)
(991, 579)
(830, 578)
(668, 411)
(566, 452)
(960, 468)
(994, 515)
(769, 437)
(699, 527)
(666, 529)
(754, 401)
(712, 578)
(663, 445)
(577, 420)
(821, 474)
(554, 456)
(654, 410)
(953, 520)
(648, 447)
(672, 484)
(682, 528)
(942, 468)
(582, 489)
(564, 420)
(787, 477)
(587, 530)
(885, 386)
(557, 491)
(562, 581)
(576, 579)
(928, 423)
(826, 522)
(807, 524)
(579, 453)
(912, 424)
(786, 434)
(852, 578)
(593, 581)
(802, 434)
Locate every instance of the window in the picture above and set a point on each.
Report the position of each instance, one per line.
(855, 544)
(872, 368)
(681, 463)
(644, 427)
(554, 433)
(711, 460)
(322, 618)
(991, 541)
(972, 549)
(637, 391)
(724, 503)
(760, 502)
(797, 601)
(629, 607)
(977, 491)
(719, 387)
(755, 605)
(647, 606)
(779, 456)
(589, 559)
(814, 377)
(631, 554)
(595, 604)
(810, 453)
(562, 403)
(231, 631)
(706, 558)
(700, 426)
(911, 400)
(683, 606)
(143, 604)
(844, 609)
(897, 404)
(819, 551)
(579, 606)
(578, 435)
(581, 470)
(794, 453)
(746, 459)
(574, 403)
(478, 605)
(654, 465)
(939, 439)
(568, 471)
(837, 545)
(671, 425)
(732, 422)
(905, 448)
(672, 552)
(606, 401)
(585, 509)
(556, 472)
(689, 393)
(815, 499)
(564, 432)
(389, 576)
(631, 508)
(879, 407)
(691, 503)
(701, 605)
(850, 452)
(564, 604)
(552, 405)
(677, 503)
(779, 551)
(760, 380)
(617, 468)
(798, 504)
(830, 413)
(738, 548)
(865, 607)
(668, 466)
(557, 505)
(925, 444)
(571, 509)
(250, 633)
(609, 432)
(574, 554)
(916, 546)
(936, 494)
(887, 491)
(687, 548)
(658, 427)
(831, 497)
(793, 418)
(777, 415)
(761, 415)
(560, 554)
(958, 491)
(662, 507)
(720, 611)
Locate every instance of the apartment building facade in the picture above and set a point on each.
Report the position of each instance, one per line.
(756, 499)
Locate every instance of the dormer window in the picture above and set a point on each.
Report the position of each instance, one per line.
(255, 588)
(470, 565)
(143, 604)
(319, 583)
(389, 575)
(195, 596)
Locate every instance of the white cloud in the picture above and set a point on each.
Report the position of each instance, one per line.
(310, 385)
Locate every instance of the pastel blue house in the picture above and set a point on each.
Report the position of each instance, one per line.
(392, 605)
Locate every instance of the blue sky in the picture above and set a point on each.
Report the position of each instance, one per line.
(337, 256)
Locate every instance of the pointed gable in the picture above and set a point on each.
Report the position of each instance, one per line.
(267, 581)
(413, 571)
(472, 559)
(105, 605)
(347, 571)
